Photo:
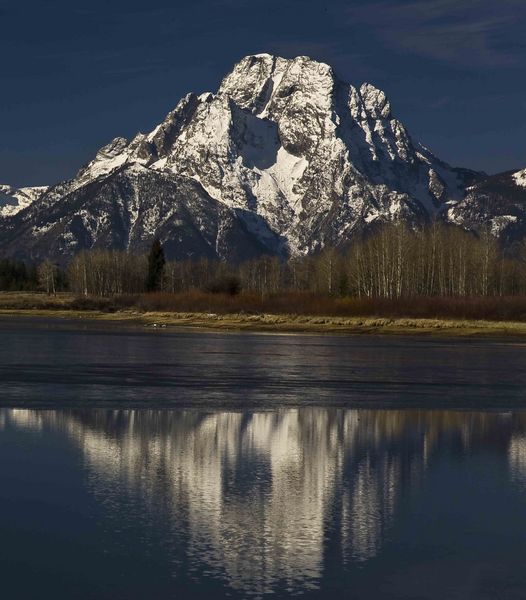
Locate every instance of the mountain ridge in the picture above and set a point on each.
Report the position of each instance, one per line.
(284, 159)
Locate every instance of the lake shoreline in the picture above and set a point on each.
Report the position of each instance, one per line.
(278, 323)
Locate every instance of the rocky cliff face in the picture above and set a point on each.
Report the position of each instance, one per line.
(284, 159)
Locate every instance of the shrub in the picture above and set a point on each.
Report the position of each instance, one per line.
(229, 284)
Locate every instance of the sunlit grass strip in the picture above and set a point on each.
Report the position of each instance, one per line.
(284, 323)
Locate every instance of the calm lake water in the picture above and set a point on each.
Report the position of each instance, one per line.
(258, 465)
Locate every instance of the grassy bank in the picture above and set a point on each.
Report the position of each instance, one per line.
(286, 313)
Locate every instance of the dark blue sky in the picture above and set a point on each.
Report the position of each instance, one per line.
(76, 74)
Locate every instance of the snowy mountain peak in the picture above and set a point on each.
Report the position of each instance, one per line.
(264, 83)
(285, 158)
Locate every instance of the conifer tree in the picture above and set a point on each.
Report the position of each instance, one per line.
(156, 262)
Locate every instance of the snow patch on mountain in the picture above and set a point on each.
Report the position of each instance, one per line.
(520, 178)
(108, 159)
(499, 223)
(13, 200)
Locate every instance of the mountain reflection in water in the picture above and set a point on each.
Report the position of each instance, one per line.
(260, 500)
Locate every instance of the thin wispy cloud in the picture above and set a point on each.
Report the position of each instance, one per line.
(462, 32)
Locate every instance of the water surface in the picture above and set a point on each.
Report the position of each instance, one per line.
(259, 465)
(42, 364)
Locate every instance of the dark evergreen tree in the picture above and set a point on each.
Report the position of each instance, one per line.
(17, 276)
(156, 262)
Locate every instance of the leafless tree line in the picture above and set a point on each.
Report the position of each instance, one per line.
(394, 262)
(107, 273)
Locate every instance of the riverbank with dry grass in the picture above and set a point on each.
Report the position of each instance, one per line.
(138, 311)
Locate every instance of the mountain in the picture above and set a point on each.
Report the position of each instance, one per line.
(498, 203)
(284, 159)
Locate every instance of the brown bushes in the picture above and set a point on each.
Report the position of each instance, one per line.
(491, 308)
(510, 308)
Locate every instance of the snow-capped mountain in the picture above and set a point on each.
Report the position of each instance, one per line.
(284, 159)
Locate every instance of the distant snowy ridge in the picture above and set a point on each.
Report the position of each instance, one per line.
(497, 203)
(13, 200)
(284, 159)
